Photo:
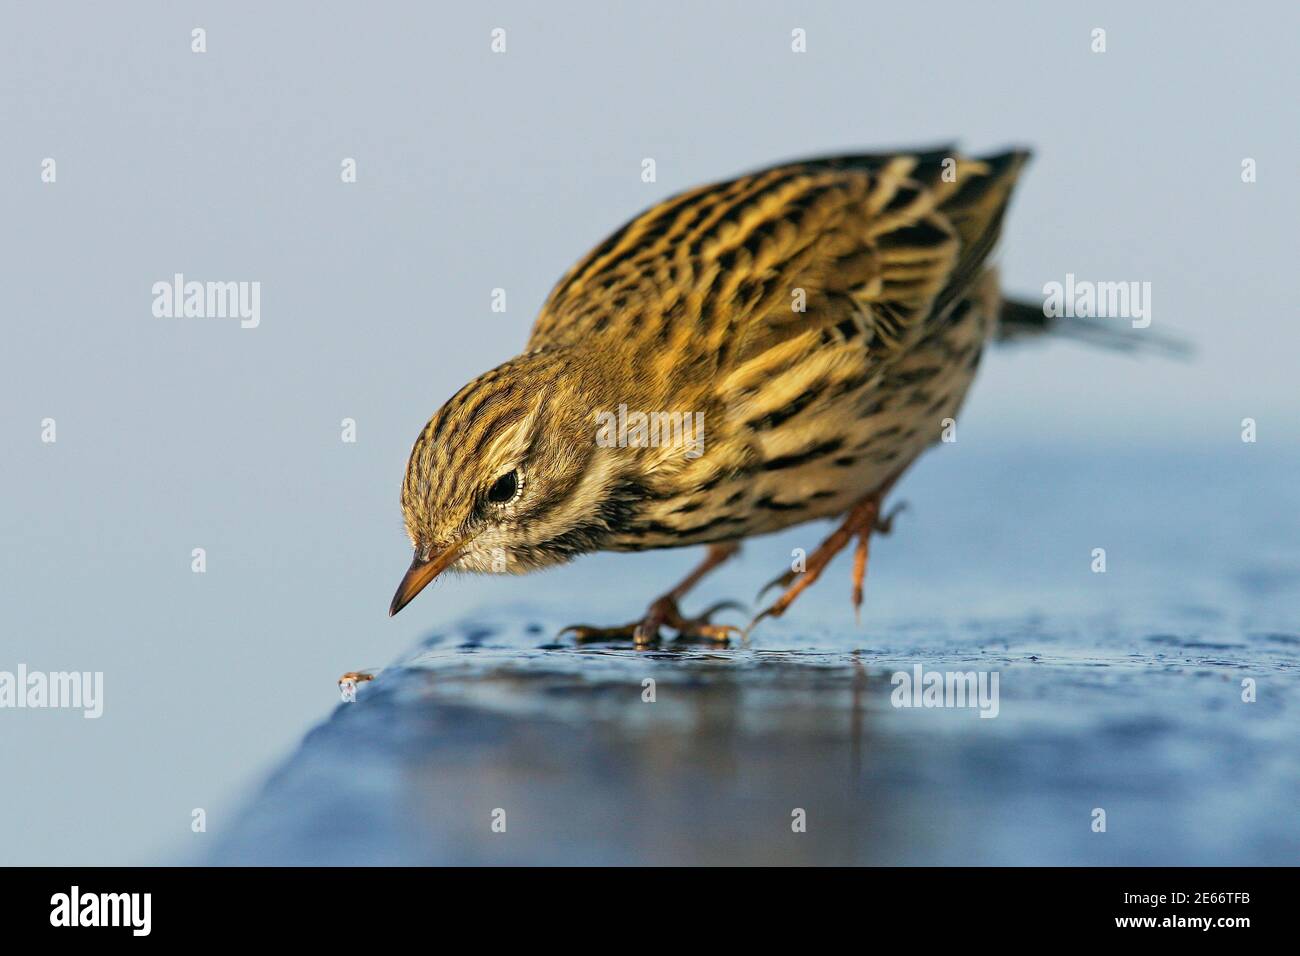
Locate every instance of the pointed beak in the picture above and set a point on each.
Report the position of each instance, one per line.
(421, 572)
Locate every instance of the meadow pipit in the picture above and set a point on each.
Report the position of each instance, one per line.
(809, 327)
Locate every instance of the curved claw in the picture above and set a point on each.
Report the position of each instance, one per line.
(704, 616)
(783, 580)
(701, 626)
(586, 633)
(719, 632)
(885, 525)
(766, 612)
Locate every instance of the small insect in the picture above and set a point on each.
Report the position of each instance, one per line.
(740, 358)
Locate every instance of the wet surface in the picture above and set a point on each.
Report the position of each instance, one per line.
(1119, 691)
(1147, 724)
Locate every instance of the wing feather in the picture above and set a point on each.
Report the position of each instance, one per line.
(873, 246)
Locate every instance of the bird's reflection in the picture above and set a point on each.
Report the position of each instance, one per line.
(686, 751)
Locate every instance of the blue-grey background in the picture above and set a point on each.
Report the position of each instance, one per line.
(479, 171)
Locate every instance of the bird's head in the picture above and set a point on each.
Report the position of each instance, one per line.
(507, 475)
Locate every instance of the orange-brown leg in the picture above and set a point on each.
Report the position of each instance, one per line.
(860, 572)
(862, 520)
(717, 554)
(664, 611)
(883, 525)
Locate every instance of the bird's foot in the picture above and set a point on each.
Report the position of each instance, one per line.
(883, 527)
(862, 521)
(663, 612)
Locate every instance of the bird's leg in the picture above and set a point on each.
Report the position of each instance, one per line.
(860, 572)
(862, 521)
(664, 611)
(717, 554)
(883, 526)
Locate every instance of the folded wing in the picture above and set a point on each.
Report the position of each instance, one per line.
(872, 246)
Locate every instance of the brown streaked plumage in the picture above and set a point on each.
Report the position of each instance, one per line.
(693, 307)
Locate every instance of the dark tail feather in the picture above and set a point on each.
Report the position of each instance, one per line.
(1023, 320)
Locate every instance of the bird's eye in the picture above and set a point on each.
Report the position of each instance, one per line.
(504, 489)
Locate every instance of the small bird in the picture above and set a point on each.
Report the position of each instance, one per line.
(800, 333)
